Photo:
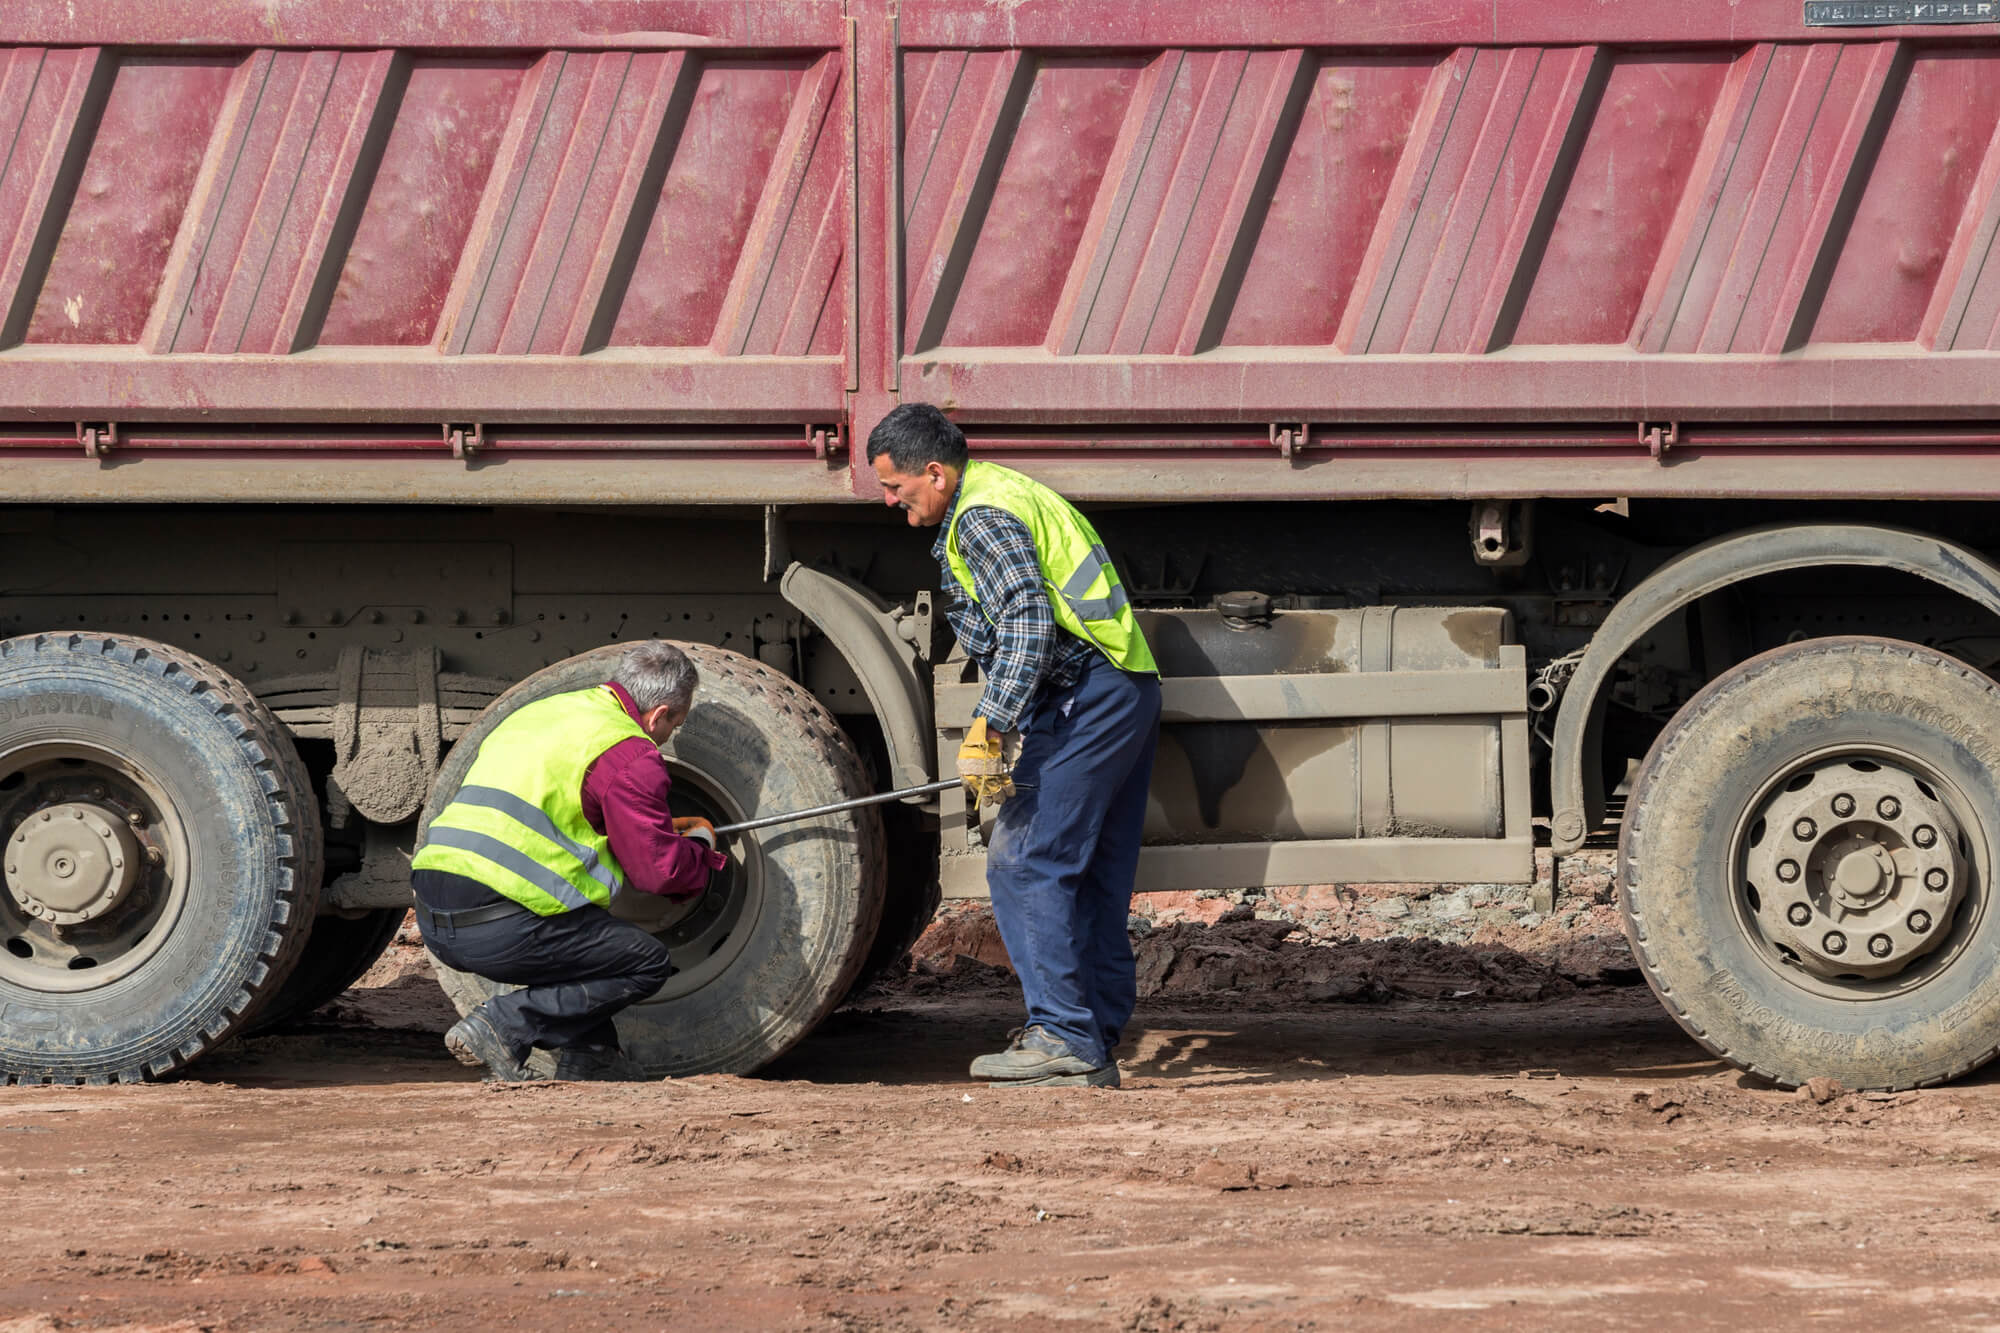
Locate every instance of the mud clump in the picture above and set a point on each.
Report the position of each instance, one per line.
(1332, 943)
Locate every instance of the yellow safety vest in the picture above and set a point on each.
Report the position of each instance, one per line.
(1084, 591)
(516, 824)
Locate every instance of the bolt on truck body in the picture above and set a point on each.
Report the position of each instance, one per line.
(1519, 424)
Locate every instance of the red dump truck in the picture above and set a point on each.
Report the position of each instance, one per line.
(1519, 422)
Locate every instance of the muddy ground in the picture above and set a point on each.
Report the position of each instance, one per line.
(1404, 1150)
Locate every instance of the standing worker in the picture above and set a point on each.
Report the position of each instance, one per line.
(564, 806)
(1044, 615)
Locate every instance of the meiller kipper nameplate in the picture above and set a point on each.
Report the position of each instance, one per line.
(1898, 13)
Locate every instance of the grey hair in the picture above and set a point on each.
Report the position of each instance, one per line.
(656, 673)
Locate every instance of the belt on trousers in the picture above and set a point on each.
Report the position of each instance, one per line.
(467, 916)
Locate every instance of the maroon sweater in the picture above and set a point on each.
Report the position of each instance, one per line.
(625, 798)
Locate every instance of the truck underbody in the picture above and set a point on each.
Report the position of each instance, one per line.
(1541, 424)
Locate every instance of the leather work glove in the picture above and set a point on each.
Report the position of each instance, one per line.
(982, 766)
(694, 826)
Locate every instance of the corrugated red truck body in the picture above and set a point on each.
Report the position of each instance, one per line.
(1186, 249)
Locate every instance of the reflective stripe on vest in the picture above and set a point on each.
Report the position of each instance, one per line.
(517, 824)
(1087, 573)
(1072, 558)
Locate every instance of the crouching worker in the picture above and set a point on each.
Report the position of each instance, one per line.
(564, 806)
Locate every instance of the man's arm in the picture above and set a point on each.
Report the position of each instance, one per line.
(625, 797)
(1008, 573)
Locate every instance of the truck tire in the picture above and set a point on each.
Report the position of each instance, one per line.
(911, 894)
(337, 951)
(162, 863)
(1806, 868)
(783, 931)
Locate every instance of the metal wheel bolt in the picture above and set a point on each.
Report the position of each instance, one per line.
(1888, 807)
(154, 856)
(136, 819)
(1924, 836)
(1804, 829)
(1788, 871)
(1798, 914)
(1935, 879)
(1835, 942)
(1843, 805)
(1919, 922)
(1879, 945)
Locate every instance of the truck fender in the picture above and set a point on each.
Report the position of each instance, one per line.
(1575, 771)
(861, 625)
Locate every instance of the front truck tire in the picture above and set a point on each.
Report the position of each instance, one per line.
(783, 931)
(162, 857)
(1806, 869)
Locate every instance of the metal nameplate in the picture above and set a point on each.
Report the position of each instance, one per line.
(1898, 13)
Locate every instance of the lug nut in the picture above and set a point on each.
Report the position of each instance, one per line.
(136, 819)
(1919, 922)
(1888, 807)
(1804, 829)
(1935, 879)
(1924, 836)
(1798, 914)
(1879, 945)
(1835, 942)
(1843, 805)
(1788, 871)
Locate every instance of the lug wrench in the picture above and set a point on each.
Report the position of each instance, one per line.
(769, 821)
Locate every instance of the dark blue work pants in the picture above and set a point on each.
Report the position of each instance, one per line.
(1065, 849)
(576, 971)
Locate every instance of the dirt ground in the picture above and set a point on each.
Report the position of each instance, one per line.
(1378, 1157)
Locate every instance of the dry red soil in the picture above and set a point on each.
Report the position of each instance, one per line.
(1272, 1163)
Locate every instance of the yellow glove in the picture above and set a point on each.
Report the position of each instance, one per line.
(982, 767)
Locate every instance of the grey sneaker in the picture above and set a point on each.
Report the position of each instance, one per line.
(1033, 1054)
(473, 1040)
(598, 1066)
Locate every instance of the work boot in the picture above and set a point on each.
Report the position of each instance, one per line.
(1106, 1077)
(598, 1065)
(1033, 1054)
(473, 1040)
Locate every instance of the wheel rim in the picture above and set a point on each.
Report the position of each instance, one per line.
(1859, 872)
(96, 867)
(704, 937)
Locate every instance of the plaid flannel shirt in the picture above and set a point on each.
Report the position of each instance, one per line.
(1010, 632)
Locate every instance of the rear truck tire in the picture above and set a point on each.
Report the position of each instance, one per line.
(1806, 868)
(911, 895)
(784, 929)
(337, 951)
(162, 857)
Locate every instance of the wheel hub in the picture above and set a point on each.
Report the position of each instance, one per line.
(1854, 868)
(72, 863)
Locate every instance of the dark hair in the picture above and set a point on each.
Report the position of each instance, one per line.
(914, 434)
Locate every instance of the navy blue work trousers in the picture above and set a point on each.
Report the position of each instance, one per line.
(1065, 849)
(576, 971)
